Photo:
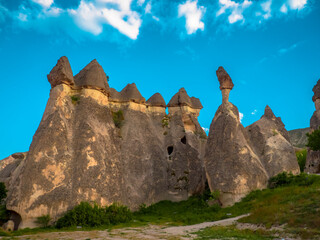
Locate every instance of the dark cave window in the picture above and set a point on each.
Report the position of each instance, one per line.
(184, 140)
(170, 150)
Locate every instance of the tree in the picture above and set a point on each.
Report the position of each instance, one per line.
(314, 140)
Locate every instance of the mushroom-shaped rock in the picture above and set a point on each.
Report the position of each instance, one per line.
(61, 73)
(156, 100)
(196, 104)
(224, 79)
(271, 142)
(226, 84)
(181, 98)
(232, 167)
(131, 94)
(93, 76)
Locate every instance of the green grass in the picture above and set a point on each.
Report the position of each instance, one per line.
(232, 232)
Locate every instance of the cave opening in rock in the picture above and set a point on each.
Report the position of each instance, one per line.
(16, 218)
(170, 150)
(184, 140)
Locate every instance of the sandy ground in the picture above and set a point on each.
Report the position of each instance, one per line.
(141, 233)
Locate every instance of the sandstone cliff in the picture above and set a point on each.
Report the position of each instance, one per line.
(97, 144)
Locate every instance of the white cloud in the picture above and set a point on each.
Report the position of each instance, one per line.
(22, 17)
(148, 8)
(205, 129)
(285, 50)
(284, 8)
(193, 15)
(156, 18)
(241, 116)
(266, 7)
(44, 3)
(254, 112)
(235, 8)
(297, 4)
(141, 2)
(91, 17)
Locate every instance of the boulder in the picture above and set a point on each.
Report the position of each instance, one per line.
(61, 73)
(8, 226)
(224, 79)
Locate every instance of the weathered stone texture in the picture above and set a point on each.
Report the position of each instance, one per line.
(79, 154)
(270, 141)
(312, 162)
(231, 165)
(61, 73)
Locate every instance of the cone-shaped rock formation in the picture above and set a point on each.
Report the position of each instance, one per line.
(271, 142)
(232, 167)
(156, 100)
(94, 147)
(93, 76)
(61, 73)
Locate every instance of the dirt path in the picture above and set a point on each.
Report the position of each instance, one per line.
(150, 232)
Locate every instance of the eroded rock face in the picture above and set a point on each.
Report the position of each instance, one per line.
(232, 167)
(271, 142)
(74, 157)
(81, 153)
(61, 73)
(312, 162)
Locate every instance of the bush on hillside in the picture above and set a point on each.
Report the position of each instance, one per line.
(43, 221)
(4, 215)
(118, 118)
(314, 140)
(86, 214)
(285, 179)
(302, 157)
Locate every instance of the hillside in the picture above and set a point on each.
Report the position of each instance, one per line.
(298, 137)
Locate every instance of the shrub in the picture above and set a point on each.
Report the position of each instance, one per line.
(75, 99)
(118, 213)
(3, 192)
(302, 157)
(89, 215)
(165, 121)
(118, 118)
(284, 179)
(43, 221)
(4, 215)
(314, 140)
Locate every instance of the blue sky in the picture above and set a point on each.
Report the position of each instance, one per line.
(270, 48)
